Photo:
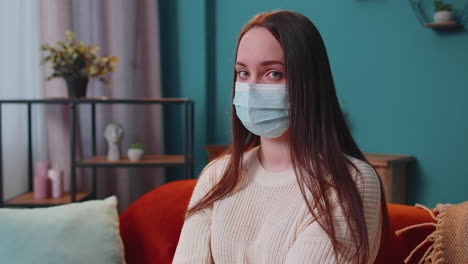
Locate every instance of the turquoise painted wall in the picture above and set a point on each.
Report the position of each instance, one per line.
(402, 85)
(183, 58)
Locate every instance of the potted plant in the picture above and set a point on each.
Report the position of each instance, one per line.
(135, 152)
(443, 12)
(76, 63)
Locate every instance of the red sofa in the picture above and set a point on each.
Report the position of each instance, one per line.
(150, 227)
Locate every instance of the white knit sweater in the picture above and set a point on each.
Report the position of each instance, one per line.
(267, 221)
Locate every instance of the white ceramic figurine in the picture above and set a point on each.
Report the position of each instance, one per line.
(113, 135)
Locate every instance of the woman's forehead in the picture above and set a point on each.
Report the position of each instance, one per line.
(258, 45)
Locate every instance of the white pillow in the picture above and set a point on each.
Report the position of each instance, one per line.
(86, 232)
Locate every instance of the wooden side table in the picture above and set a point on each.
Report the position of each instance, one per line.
(392, 170)
(215, 150)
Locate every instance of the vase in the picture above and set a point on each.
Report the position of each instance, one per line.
(135, 154)
(443, 16)
(77, 86)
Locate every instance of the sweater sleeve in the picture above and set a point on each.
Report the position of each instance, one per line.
(313, 245)
(194, 242)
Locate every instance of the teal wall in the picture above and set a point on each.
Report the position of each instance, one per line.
(402, 85)
(183, 58)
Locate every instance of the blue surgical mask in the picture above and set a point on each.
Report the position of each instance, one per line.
(262, 108)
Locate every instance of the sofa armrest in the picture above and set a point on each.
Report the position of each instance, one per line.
(150, 227)
(400, 247)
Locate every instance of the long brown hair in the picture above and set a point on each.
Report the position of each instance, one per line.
(318, 134)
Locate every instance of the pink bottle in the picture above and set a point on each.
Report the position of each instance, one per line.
(41, 180)
(41, 168)
(41, 187)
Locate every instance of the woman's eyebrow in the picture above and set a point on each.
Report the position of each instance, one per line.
(263, 63)
(270, 62)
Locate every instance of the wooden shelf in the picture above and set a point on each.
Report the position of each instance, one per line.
(147, 161)
(444, 26)
(28, 199)
(377, 159)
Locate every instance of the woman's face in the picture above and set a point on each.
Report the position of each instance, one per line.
(260, 58)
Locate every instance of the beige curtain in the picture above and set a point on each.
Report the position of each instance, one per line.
(128, 29)
(21, 77)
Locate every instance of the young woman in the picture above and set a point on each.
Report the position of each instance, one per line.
(294, 186)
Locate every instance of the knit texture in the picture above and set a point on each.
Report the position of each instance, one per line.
(267, 221)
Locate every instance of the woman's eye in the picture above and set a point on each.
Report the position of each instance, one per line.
(243, 74)
(275, 75)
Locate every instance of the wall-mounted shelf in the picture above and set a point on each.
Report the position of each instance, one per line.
(444, 26)
(421, 10)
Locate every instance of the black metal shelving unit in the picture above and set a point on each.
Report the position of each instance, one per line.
(26, 200)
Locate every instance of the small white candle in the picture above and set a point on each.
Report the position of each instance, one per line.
(56, 177)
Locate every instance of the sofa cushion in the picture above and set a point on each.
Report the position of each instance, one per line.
(86, 232)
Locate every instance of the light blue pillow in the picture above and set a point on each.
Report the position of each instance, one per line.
(86, 232)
